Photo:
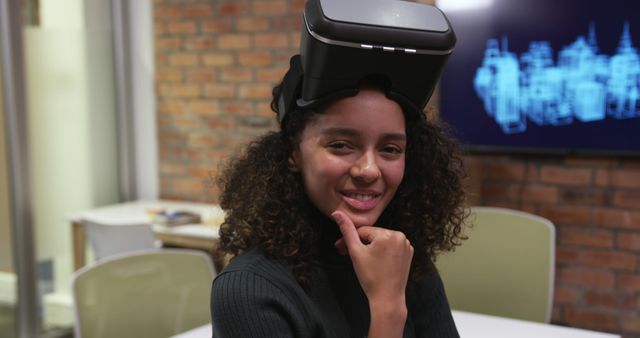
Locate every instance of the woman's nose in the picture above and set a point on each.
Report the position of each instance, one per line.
(366, 168)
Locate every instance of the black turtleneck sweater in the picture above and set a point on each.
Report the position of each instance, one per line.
(257, 296)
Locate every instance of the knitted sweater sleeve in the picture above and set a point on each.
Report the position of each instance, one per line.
(246, 304)
(432, 316)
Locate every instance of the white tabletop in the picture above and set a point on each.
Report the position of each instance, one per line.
(474, 325)
(138, 212)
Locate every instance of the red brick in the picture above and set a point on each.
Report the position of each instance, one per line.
(264, 110)
(269, 7)
(205, 74)
(297, 6)
(272, 40)
(591, 319)
(223, 25)
(295, 39)
(170, 106)
(592, 278)
(566, 215)
(179, 153)
(539, 194)
(220, 124)
(630, 282)
(567, 255)
(202, 141)
(252, 24)
(629, 241)
(630, 323)
(218, 59)
(287, 24)
(237, 108)
(498, 191)
(199, 43)
(169, 74)
(183, 59)
(181, 27)
(233, 7)
(160, 28)
(187, 186)
(220, 91)
(615, 218)
(197, 11)
(234, 41)
(203, 107)
(273, 75)
(161, 59)
(565, 176)
(172, 169)
(168, 12)
(183, 90)
(236, 74)
(603, 178)
(610, 260)
(254, 91)
(202, 171)
(626, 178)
(167, 44)
(586, 237)
(627, 199)
(172, 139)
(254, 59)
(618, 300)
(183, 121)
(584, 196)
(565, 295)
(505, 171)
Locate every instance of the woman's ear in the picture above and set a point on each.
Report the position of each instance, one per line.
(293, 162)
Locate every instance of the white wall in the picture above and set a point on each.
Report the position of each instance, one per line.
(73, 133)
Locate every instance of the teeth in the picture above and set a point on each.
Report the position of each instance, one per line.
(361, 197)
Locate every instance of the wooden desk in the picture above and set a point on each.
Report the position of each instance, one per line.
(201, 236)
(475, 325)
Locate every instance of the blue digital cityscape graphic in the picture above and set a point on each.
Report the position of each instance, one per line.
(584, 84)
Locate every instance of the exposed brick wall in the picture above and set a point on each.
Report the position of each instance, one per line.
(216, 62)
(595, 206)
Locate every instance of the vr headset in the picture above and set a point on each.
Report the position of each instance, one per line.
(346, 41)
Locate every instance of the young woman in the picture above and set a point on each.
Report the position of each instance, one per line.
(335, 221)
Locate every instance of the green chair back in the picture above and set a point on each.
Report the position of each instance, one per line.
(152, 293)
(506, 267)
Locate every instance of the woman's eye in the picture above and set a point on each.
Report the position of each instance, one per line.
(392, 150)
(339, 146)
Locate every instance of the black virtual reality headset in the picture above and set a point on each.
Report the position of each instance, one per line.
(344, 42)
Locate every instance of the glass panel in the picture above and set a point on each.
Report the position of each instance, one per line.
(8, 281)
(69, 76)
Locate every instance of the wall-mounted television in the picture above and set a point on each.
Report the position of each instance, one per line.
(545, 76)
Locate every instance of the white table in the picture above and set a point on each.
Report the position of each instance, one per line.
(198, 236)
(475, 325)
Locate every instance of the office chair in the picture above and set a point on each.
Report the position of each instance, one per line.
(505, 268)
(152, 293)
(108, 238)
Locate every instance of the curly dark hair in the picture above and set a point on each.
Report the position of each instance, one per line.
(266, 204)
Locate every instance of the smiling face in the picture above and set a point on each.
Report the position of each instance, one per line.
(352, 156)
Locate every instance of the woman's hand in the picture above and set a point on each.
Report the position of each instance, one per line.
(381, 259)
